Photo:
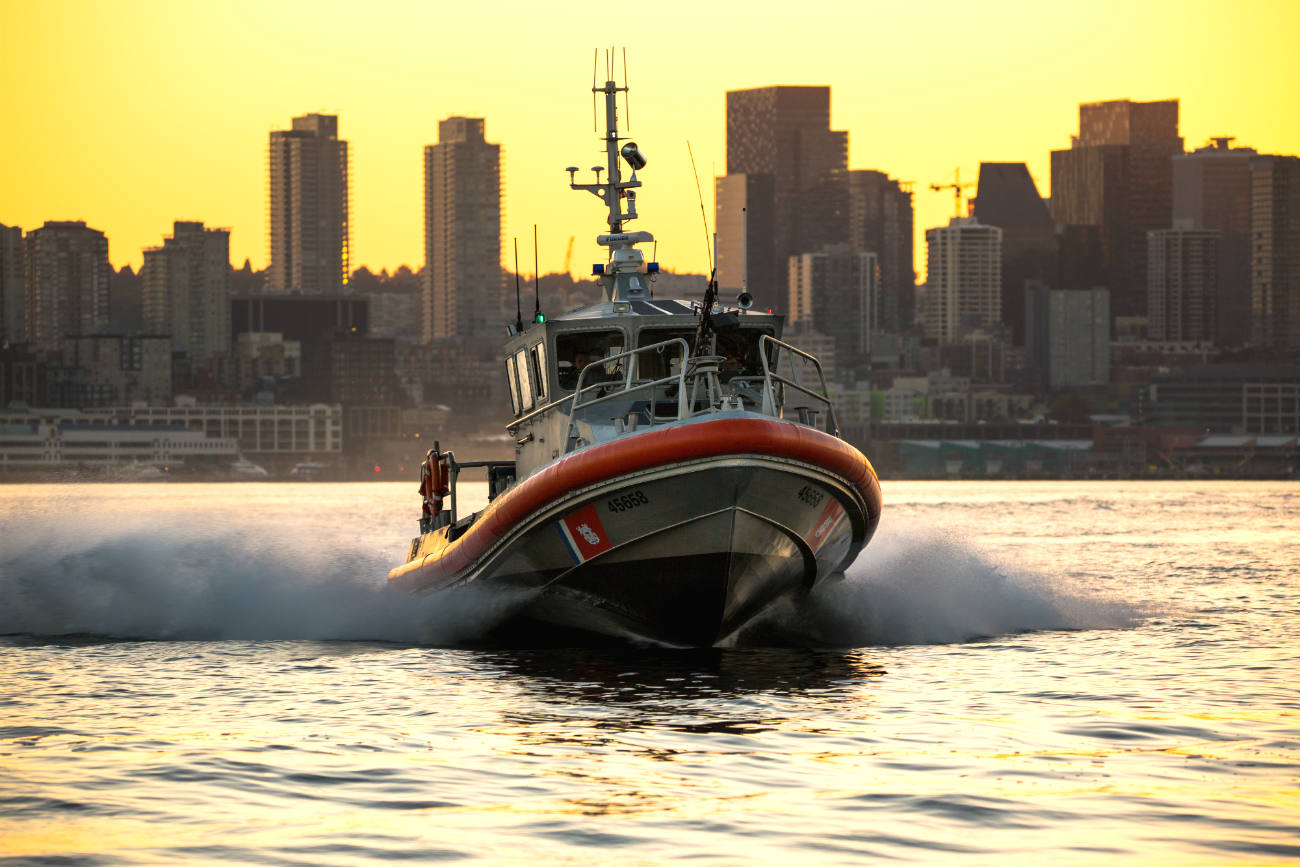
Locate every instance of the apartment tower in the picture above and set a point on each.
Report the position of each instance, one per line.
(463, 280)
(307, 168)
(963, 289)
(1182, 276)
(185, 290)
(66, 282)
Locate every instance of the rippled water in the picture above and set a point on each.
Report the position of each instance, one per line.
(1035, 673)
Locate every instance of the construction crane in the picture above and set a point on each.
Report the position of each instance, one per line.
(957, 186)
(568, 255)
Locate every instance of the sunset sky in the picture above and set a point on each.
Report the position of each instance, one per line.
(131, 115)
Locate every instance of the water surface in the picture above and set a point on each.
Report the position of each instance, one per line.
(1065, 673)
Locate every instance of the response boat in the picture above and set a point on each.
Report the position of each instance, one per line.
(678, 467)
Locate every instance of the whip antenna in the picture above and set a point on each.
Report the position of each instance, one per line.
(519, 313)
(708, 249)
(537, 281)
(627, 95)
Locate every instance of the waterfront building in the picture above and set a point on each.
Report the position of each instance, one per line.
(1275, 252)
(309, 241)
(1117, 174)
(463, 279)
(963, 289)
(185, 290)
(1212, 191)
(1228, 398)
(1182, 279)
(66, 282)
(783, 133)
(880, 220)
(12, 296)
(1008, 198)
(1067, 336)
(39, 441)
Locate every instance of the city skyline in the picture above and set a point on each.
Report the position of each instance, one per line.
(913, 106)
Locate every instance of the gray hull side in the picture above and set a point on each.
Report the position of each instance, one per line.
(685, 555)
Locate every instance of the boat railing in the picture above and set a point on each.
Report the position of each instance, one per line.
(587, 395)
(774, 383)
(698, 382)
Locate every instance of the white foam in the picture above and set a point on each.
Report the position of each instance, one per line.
(920, 586)
(178, 579)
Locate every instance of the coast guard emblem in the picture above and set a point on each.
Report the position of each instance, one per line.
(583, 533)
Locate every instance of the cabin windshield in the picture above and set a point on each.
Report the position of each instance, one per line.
(576, 349)
(740, 349)
(666, 360)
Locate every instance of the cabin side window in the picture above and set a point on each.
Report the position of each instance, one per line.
(525, 384)
(538, 355)
(576, 349)
(512, 385)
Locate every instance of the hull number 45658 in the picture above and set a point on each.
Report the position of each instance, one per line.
(627, 501)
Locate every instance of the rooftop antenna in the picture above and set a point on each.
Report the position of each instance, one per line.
(537, 281)
(519, 313)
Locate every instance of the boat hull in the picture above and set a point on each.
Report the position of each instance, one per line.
(683, 551)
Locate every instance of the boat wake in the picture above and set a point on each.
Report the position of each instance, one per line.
(919, 586)
(182, 581)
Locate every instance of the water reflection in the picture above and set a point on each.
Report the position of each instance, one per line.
(620, 675)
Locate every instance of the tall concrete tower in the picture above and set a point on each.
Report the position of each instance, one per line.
(963, 288)
(186, 290)
(463, 280)
(307, 168)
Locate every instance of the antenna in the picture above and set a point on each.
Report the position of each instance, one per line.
(627, 95)
(537, 281)
(708, 249)
(595, 55)
(519, 313)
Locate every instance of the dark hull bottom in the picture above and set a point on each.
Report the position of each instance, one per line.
(730, 566)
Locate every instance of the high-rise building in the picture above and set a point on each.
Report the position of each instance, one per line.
(66, 282)
(963, 287)
(1182, 276)
(743, 221)
(1212, 191)
(1067, 335)
(782, 132)
(1118, 174)
(1008, 198)
(307, 168)
(1275, 251)
(463, 280)
(835, 292)
(880, 221)
(185, 290)
(12, 298)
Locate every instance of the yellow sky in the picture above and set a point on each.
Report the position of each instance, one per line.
(133, 114)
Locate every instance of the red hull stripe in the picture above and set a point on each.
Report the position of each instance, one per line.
(724, 437)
